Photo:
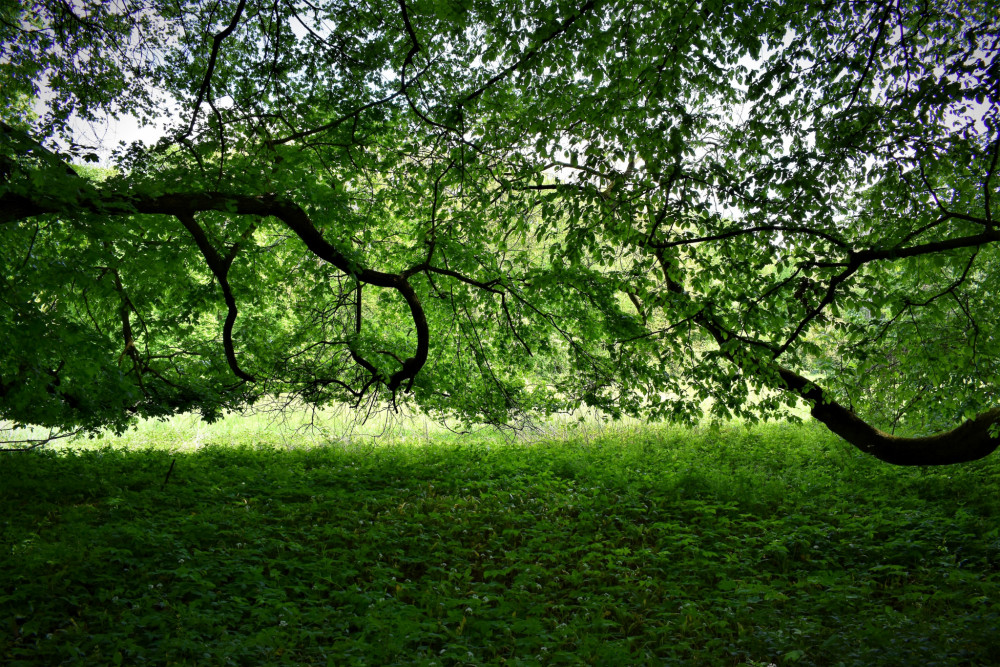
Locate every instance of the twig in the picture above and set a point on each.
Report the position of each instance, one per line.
(167, 478)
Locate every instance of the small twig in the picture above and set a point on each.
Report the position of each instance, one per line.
(167, 478)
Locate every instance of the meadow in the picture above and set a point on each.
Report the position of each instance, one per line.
(633, 545)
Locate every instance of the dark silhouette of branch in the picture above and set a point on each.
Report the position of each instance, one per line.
(184, 206)
(219, 266)
(971, 440)
(531, 53)
(207, 81)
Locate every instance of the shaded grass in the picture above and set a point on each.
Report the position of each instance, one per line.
(642, 546)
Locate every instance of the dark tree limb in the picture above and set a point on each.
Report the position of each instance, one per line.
(972, 440)
(184, 206)
(969, 441)
(207, 81)
(220, 269)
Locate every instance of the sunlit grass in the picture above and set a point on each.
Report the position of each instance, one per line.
(283, 425)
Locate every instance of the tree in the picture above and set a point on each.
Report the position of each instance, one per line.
(496, 209)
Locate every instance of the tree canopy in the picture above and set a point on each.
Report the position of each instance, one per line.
(495, 210)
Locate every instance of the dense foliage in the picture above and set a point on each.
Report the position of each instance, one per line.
(772, 546)
(499, 209)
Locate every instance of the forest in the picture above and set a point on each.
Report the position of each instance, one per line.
(756, 242)
(498, 211)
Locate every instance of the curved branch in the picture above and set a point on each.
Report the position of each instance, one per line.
(297, 220)
(974, 439)
(969, 441)
(207, 81)
(414, 42)
(220, 269)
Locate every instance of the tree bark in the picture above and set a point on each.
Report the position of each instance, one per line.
(969, 441)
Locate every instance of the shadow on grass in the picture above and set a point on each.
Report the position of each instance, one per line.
(642, 546)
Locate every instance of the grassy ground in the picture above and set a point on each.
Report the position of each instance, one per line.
(633, 546)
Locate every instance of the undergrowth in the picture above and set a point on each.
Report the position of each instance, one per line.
(729, 546)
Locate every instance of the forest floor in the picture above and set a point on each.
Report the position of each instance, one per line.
(774, 544)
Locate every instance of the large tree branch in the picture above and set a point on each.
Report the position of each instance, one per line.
(185, 205)
(220, 269)
(971, 440)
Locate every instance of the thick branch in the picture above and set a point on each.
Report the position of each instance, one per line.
(220, 269)
(969, 441)
(185, 205)
(976, 240)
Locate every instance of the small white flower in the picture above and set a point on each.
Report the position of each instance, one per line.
(283, 623)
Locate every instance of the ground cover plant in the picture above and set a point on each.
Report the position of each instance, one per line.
(776, 544)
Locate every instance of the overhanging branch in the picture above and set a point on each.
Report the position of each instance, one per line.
(220, 269)
(971, 440)
(184, 206)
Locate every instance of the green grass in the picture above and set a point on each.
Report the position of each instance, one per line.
(636, 546)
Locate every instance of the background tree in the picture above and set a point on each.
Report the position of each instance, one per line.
(500, 209)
